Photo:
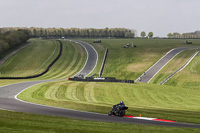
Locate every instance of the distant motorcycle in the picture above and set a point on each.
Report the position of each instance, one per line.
(118, 111)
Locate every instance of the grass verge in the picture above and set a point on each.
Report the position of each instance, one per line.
(22, 123)
(172, 66)
(71, 61)
(149, 100)
(189, 77)
(31, 60)
(130, 63)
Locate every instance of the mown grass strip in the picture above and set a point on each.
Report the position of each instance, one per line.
(130, 63)
(181, 68)
(149, 100)
(172, 66)
(192, 74)
(29, 59)
(71, 61)
(31, 123)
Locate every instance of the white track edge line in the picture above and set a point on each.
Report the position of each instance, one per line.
(50, 81)
(86, 59)
(164, 65)
(184, 65)
(155, 63)
(15, 97)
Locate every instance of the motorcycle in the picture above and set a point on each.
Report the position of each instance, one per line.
(118, 111)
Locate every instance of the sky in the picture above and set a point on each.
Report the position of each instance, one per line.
(158, 16)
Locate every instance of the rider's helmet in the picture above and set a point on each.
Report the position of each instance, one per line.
(121, 102)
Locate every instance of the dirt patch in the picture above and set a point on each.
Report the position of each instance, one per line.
(99, 47)
(139, 67)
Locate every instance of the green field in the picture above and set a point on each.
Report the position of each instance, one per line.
(189, 77)
(177, 100)
(30, 60)
(13, 122)
(172, 66)
(71, 61)
(151, 101)
(130, 63)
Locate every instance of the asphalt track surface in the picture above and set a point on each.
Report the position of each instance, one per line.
(92, 58)
(152, 71)
(8, 101)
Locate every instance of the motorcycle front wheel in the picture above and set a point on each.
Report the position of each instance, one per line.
(121, 113)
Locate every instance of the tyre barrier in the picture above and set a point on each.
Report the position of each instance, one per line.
(99, 79)
(45, 71)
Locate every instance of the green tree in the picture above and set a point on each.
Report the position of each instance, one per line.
(143, 34)
(176, 35)
(12, 38)
(150, 35)
(169, 35)
(129, 35)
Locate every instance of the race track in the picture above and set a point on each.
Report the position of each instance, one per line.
(152, 71)
(8, 101)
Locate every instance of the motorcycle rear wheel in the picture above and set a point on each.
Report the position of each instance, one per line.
(110, 113)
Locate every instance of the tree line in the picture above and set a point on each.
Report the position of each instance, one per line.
(10, 39)
(77, 32)
(195, 34)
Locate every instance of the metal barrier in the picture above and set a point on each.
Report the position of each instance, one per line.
(99, 79)
(103, 64)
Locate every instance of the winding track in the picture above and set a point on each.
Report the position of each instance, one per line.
(8, 101)
(152, 71)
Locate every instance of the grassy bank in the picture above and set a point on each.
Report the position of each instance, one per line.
(188, 77)
(31, 60)
(14, 122)
(172, 66)
(130, 63)
(71, 61)
(179, 102)
(149, 100)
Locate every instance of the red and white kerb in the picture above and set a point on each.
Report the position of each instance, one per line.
(146, 118)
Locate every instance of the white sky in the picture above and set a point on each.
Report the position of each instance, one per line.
(158, 16)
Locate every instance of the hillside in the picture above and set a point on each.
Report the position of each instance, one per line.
(146, 99)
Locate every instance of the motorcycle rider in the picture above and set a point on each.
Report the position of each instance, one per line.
(119, 105)
(118, 109)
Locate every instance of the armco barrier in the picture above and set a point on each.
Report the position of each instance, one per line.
(45, 71)
(107, 79)
(103, 64)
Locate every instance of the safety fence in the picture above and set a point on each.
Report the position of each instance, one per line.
(103, 64)
(99, 79)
